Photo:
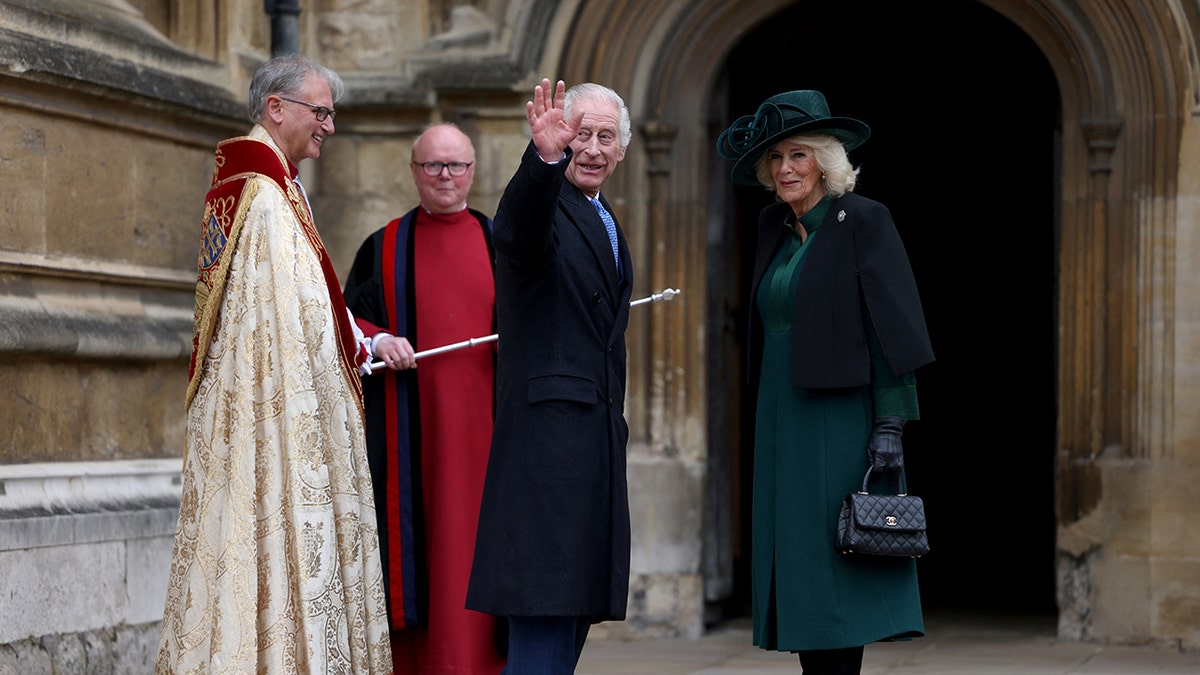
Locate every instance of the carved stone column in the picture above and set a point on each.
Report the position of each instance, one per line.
(1085, 367)
(660, 357)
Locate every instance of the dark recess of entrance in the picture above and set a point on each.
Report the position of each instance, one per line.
(965, 119)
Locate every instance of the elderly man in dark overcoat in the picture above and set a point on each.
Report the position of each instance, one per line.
(552, 548)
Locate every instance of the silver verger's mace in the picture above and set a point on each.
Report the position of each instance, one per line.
(668, 294)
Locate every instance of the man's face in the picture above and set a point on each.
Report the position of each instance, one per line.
(443, 192)
(300, 134)
(597, 149)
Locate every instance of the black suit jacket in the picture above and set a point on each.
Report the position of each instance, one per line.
(553, 537)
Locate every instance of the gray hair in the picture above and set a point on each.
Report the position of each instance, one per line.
(285, 74)
(839, 176)
(590, 90)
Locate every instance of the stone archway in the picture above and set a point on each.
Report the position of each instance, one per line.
(1124, 70)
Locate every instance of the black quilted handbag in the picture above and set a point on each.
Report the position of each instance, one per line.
(889, 525)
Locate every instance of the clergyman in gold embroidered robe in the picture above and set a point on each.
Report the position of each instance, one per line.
(276, 566)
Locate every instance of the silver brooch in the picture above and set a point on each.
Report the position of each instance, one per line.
(841, 216)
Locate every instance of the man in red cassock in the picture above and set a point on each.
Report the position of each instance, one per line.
(424, 281)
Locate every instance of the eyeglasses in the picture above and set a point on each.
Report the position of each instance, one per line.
(319, 110)
(456, 169)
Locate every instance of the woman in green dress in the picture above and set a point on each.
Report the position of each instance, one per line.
(837, 332)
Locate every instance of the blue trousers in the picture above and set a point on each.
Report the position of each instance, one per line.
(545, 645)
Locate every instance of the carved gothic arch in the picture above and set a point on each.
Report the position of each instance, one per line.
(1127, 86)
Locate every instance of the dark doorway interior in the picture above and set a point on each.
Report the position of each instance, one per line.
(965, 118)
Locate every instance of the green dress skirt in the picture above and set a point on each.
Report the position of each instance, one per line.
(810, 451)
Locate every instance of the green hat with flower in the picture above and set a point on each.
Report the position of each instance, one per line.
(780, 117)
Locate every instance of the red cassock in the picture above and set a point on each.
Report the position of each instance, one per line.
(446, 295)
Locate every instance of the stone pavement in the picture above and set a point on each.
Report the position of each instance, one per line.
(955, 643)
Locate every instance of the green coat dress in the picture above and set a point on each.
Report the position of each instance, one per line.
(810, 451)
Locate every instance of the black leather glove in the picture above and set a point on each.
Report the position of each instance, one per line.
(883, 448)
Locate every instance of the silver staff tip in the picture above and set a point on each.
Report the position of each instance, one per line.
(670, 293)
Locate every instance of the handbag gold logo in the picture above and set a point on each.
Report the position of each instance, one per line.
(890, 521)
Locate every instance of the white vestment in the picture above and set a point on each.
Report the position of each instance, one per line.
(276, 564)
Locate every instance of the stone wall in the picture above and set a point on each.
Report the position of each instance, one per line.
(85, 551)
(107, 133)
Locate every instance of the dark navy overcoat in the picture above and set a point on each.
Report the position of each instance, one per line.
(553, 537)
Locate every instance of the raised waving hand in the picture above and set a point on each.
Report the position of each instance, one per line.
(552, 132)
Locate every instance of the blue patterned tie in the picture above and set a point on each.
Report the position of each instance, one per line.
(610, 226)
